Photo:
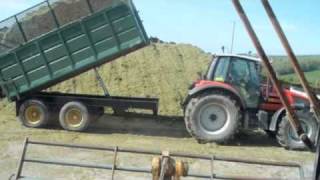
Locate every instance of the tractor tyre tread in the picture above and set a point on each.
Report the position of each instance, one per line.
(284, 126)
(194, 131)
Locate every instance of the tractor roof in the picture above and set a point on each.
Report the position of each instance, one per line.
(240, 56)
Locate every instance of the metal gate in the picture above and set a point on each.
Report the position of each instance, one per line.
(164, 165)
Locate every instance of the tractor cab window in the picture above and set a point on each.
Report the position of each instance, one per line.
(239, 71)
(221, 70)
(254, 73)
(243, 75)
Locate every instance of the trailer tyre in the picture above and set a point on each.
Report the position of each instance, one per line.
(74, 116)
(34, 114)
(286, 136)
(213, 118)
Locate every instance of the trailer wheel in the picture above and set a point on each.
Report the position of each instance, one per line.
(74, 116)
(34, 113)
(212, 118)
(286, 136)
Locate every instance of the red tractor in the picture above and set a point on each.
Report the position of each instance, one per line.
(232, 96)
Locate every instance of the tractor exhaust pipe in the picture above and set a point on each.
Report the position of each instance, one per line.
(271, 73)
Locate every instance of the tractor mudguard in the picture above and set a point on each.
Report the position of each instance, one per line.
(275, 119)
(214, 86)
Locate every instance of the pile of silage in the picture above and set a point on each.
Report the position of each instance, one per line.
(159, 70)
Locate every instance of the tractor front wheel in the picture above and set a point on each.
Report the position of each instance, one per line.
(288, 138)
(212, 118)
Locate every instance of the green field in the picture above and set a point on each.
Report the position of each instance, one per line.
(313, 78)
(309, 64)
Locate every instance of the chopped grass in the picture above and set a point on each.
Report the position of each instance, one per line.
(160, 70)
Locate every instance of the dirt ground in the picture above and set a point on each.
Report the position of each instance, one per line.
(162, 133)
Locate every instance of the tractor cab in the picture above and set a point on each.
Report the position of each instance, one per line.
(240, 72)
(232, 96)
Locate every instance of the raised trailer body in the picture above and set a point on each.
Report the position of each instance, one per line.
(70, 48)
(57, 40)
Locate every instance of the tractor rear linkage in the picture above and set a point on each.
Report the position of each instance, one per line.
(164, 166)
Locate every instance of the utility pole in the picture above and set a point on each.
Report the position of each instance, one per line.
(233, 36)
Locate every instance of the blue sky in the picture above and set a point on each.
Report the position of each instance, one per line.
(208, 23)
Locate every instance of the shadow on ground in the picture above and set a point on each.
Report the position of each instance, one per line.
(168, 126)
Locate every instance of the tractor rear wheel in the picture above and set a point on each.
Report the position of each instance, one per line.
(212, 118)
(34, 113)
(288, 138)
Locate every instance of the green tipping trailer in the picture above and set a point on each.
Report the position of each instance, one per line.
(57, 40)
(35, 57)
